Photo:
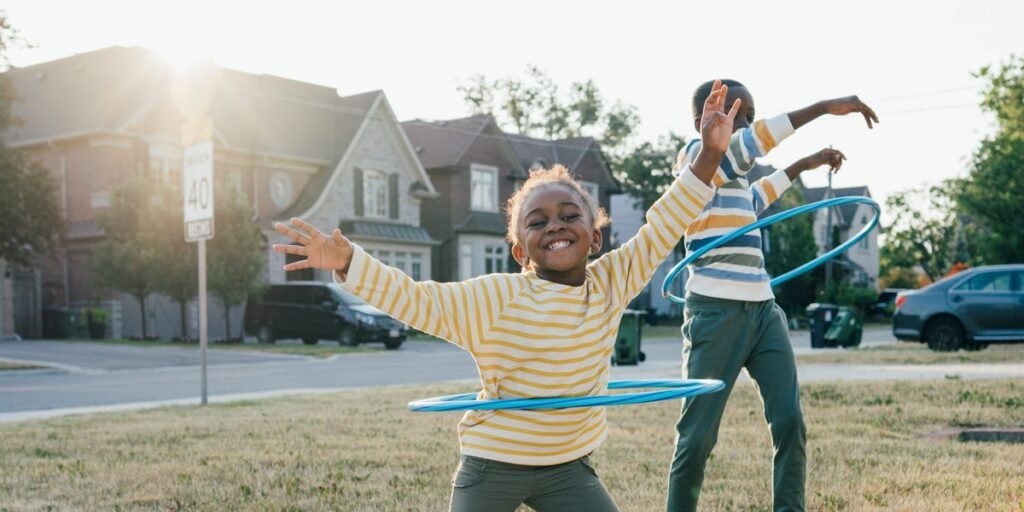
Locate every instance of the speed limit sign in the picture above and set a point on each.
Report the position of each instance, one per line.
(198, 192)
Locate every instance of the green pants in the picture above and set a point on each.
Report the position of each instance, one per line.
(720, 337)
(483, 485)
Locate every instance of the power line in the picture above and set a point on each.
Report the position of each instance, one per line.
(929, 109)
(926, 94)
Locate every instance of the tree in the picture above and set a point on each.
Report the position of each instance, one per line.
(177, 260)
(126, 259)
(236, 253)
(536, 107)
(791, 245)
(646, 171)
(992, 192)
(30, 220)
(928, 230)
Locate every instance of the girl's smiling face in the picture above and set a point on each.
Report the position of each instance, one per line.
(556, 235)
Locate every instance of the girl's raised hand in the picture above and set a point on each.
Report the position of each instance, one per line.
(321, 251)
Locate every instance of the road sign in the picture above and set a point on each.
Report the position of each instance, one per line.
(198, 192)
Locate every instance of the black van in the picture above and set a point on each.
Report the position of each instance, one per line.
(314, 311)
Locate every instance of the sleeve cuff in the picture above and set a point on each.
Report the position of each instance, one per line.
(780, 127)
(780, 181)
(356, 268)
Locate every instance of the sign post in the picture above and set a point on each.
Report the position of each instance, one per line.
(197, 190)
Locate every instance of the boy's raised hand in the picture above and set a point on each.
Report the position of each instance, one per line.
(828, 156)
(321, 251)
(849, 105)
(715, 124)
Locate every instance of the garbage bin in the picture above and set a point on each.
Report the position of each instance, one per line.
(627, 342)
(59, 323)
(820, 317)
(846, 329)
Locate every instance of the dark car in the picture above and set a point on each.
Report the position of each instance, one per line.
(314, 311)
(967, 310)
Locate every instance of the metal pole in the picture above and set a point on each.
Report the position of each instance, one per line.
(828, 236)
(202, 313)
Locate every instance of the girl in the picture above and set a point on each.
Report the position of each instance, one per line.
(548, 331)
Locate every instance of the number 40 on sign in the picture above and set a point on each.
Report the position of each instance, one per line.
(198, 192)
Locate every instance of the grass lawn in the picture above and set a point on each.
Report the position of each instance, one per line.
(362, 451)
(323, 349)
(916, 353)
(7, 365)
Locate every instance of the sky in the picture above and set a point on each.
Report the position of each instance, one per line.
(912, 61)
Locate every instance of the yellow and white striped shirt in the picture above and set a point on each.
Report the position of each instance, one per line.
(535, 338)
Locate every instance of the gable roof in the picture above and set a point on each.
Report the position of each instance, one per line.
(846, 211)
(569, 152)
(441, 144)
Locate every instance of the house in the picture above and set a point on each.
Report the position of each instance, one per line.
(292, 148)
(861, 260)
(476, 167)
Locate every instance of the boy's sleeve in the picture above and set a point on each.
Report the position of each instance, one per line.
(766, 190)
(745, 146)
(451, 311)
(625, 271)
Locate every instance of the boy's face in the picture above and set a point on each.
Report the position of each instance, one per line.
(745, 117)
(556, 233)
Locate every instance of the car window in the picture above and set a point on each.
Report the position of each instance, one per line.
(988, 282)
(1018, 284)
(344, 296)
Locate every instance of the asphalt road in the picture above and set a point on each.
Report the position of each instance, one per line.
(92, 377)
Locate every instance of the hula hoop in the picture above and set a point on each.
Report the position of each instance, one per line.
(767, 221)
(468, 401)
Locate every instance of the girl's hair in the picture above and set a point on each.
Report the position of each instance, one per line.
(557, 175)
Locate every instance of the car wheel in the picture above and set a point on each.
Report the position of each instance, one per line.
(310, 341)
(393, 344)
(265, 335)
(347, 336)
(944, 335)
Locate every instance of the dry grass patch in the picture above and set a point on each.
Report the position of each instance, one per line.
(362, 451)
(916, 353)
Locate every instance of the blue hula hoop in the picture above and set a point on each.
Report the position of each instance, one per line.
(767, 221)
(679, 389)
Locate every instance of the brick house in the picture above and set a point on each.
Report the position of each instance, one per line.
(476, 167)
(293, 149)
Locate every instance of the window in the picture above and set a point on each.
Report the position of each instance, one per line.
(866, 242)
(416, 266)
(400, 259)
(484, 188)
(494, 259)
(465, 261)
(987, 282)
(592, 189)
(384, 257)
(306, 274)
(375, 194)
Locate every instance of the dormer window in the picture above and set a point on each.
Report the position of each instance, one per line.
(483, 188)
(375, 194)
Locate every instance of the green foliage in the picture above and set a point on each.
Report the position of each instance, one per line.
(927, 230)
(841, 293)
(792, 244)
(993, 191)
(535, 106)
(236, 254)
(176, 259)
(646, 172)
(30, 221)
(126, 259)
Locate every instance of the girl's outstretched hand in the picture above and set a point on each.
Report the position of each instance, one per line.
(715, 123)
(321, 251)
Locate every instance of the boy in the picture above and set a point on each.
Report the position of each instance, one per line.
(731, 320)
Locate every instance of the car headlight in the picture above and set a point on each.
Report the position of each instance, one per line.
(365, 319)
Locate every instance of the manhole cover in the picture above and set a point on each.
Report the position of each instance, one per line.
(979, 435)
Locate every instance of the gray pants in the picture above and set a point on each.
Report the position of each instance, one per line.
(483, 485)
(721, 337)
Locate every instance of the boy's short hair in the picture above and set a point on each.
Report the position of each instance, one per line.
(556, 175)
(704, 90)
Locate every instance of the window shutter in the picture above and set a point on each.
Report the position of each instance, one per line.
(393, 196)
(357, 184)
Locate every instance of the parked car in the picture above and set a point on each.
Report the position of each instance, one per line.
(886, 304)
(966, 310)
(314, 311)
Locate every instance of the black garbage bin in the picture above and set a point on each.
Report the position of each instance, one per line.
(627, 343)
(820, 317)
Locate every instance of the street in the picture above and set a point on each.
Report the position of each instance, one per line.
(86, 377)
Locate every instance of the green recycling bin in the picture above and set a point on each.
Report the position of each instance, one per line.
(846, 329)
(627, 342)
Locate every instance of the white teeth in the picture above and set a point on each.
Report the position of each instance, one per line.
(561, 244)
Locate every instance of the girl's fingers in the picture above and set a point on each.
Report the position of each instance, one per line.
(290, 249)
(291, 233)
(298, 265)
(305, 227)
(338, 237)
